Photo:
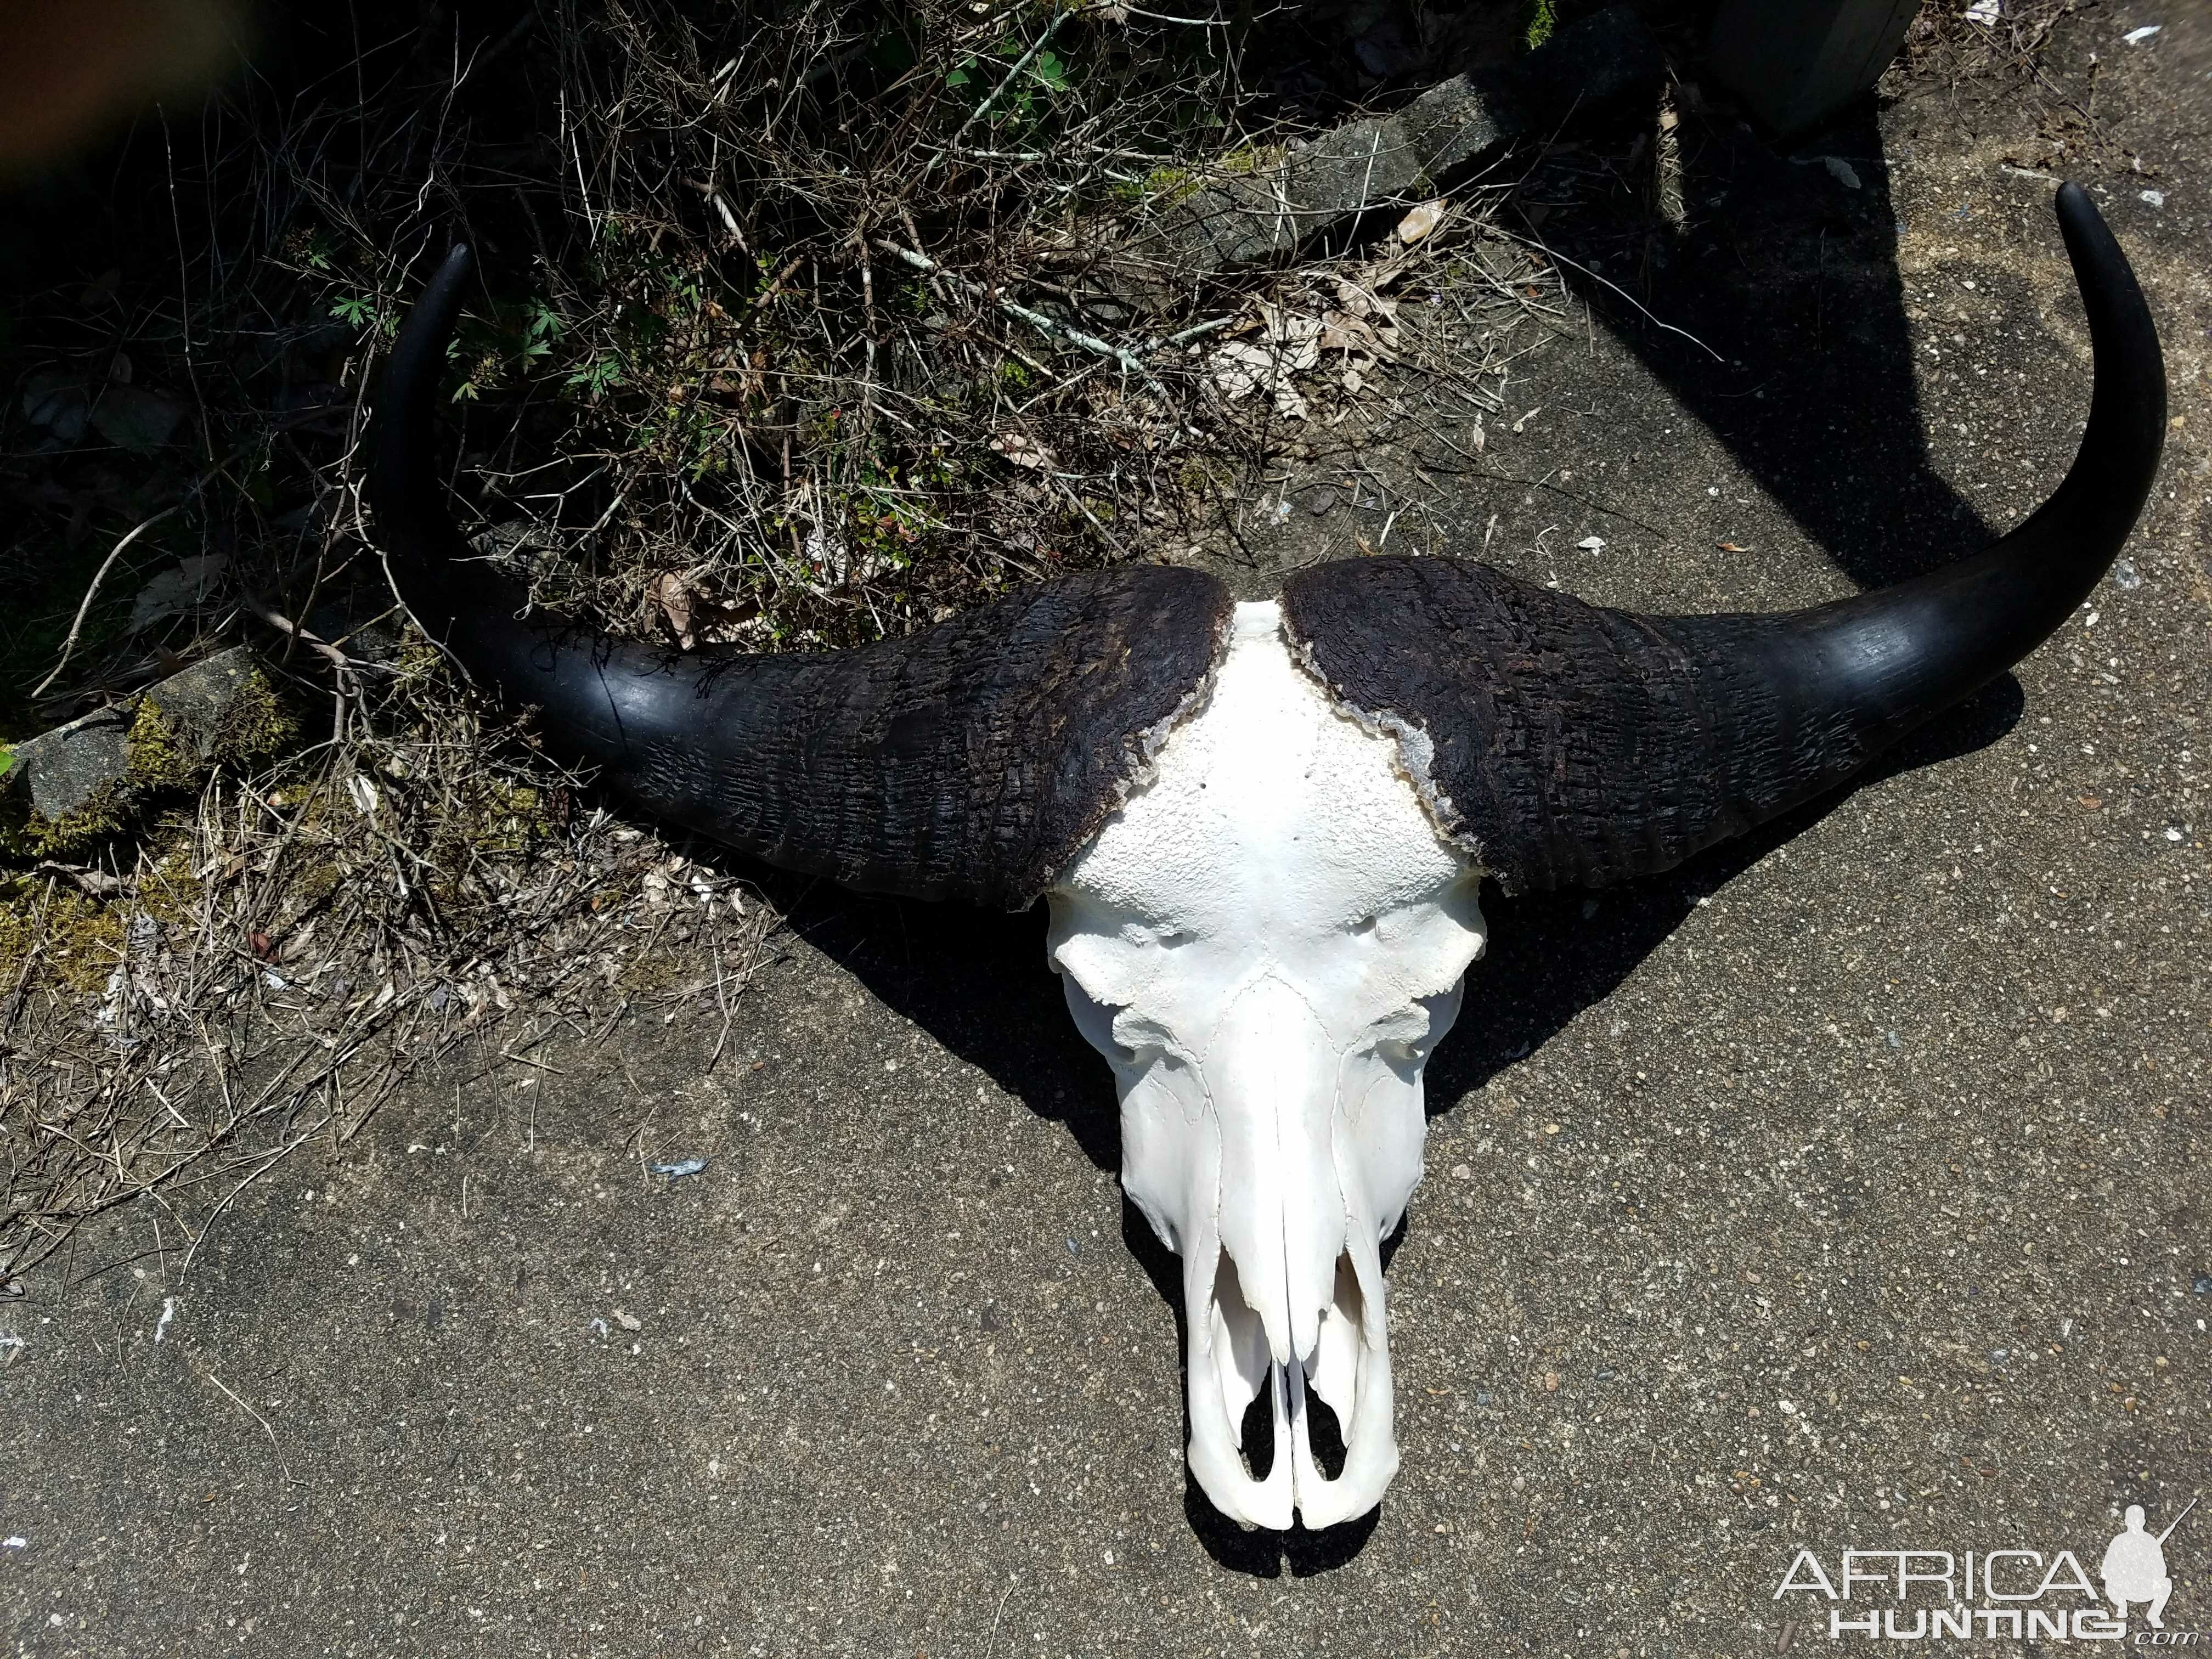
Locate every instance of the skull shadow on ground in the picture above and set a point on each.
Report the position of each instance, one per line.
(977, 982)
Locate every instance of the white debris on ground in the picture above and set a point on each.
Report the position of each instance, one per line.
(1421, 221)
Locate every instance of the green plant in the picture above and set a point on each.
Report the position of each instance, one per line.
(598, 377)
(1044, 77)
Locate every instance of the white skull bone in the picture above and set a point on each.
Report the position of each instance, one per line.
(1266, 942)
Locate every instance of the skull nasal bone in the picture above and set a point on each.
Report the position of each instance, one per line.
(1271, 1071)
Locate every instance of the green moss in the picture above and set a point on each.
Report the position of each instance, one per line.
(78, 940)
(1165, 186)
(255, 725)
(156, 756)
(1199, 476)
(649, 972)
(170, 892)
(1161, 187)
(26, 833)
(1252, 159)
(1543, 18)
(511, 819)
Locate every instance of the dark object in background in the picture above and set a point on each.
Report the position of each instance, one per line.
(1796, 63)
(68, 71)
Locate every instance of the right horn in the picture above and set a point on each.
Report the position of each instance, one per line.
(1561, 744)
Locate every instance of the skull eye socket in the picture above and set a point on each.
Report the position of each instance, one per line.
(1404, 1058)
(1096, 1021)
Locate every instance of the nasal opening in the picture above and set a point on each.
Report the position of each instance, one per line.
(1294, 1429)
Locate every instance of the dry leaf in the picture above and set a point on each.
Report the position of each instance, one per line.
(674, 597)
(60, 402)
(131, 417)
(177, 589)
(1022, 450)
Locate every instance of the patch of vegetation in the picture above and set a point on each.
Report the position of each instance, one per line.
(1542, 21)
(779, 339)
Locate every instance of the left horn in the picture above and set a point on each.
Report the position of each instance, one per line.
(1561, 744)
(968, 760)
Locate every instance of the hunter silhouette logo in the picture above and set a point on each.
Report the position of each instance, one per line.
(2135, 1567)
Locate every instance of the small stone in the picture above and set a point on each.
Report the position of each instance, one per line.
(2202, 1284)
(2125, 576)
(161, 740)
(1420, 221)
(1551, 1382)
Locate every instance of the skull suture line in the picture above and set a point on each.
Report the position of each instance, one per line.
(1260, 828)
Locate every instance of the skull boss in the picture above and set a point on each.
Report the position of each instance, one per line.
(1261, 829)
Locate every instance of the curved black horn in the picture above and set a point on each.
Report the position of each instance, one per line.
(1562, 743)
(971, 760)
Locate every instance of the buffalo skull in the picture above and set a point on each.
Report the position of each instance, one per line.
(1261, 829)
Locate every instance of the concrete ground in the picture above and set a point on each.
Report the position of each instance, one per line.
(1849, 1188)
